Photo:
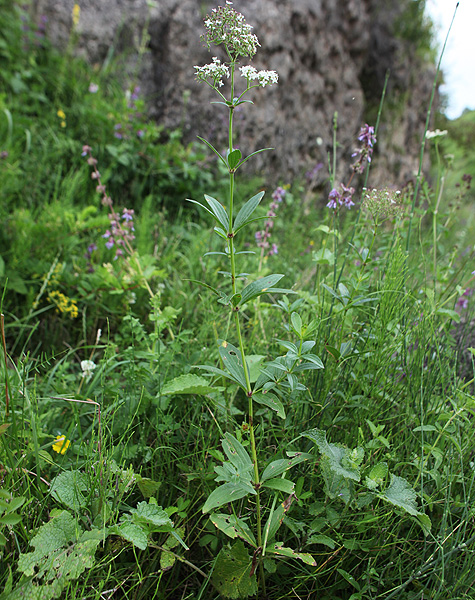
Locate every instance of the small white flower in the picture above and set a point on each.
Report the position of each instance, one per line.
(248, 72)
(267, 78)
(215, 71)
(88, 367)
(435, 134)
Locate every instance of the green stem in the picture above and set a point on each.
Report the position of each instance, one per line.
(240, 340)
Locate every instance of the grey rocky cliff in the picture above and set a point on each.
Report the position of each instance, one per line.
(331, 56)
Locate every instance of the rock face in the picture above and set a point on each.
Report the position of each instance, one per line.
(331, 56)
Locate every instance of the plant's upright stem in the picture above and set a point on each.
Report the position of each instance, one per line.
(239, 336)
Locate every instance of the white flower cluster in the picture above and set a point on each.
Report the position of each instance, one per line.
(226, 26)
(436, 134)
(263, 77)
(88, 367)
(215, 71)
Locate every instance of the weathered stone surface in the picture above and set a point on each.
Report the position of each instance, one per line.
(331, 56)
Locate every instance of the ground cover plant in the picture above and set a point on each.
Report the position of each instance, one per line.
(230, 399)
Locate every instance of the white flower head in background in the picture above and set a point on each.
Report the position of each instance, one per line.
(88, 367)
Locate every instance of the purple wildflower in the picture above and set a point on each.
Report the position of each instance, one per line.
(334, 199)
(364, 153)
(128, 215)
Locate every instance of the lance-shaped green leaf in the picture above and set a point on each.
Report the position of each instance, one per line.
(228, 492)
(254, 153)
(233, 527)
(232, 361)
(259, 287)
(277, 467)
(219, 212)
(233, 159)
(237, 454)
(217, 371)
(280, 550)
(271, 401)
(296, 321)
(244, 215)
(282, 485)
(214, 150)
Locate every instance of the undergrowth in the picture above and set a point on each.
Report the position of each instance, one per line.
(178, 425)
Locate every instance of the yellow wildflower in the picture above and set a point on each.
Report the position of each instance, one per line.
(61, 444)
(61, 114)
(76, 13)
(64, 304)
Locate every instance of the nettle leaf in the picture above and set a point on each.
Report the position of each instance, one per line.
(280, 550)
(232, 573)
(271, 401)
(67, 488)
(341, 460)
(133, 533)
(401, 494)
(244, 215)
(188, 384)
(260, 286)
(233, 527)
(377, 476)
(152, 515)
(232, 360)
(62, 553)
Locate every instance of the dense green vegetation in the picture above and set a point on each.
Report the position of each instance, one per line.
(140, 455)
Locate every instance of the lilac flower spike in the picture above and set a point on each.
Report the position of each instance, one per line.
(364, 153)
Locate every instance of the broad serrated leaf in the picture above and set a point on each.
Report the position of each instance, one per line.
(401, 494)
(188, 384)
(219, 211)
(232, 360)
(152, 515)
(67, 488)
(233, 527)
(340, 459)
(377, 475)
(228, 492)
(246, 211)
(132, 532)
(271, 401)
(280, 550)
(232, 573)
(259, 287)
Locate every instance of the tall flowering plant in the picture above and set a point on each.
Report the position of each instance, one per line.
(241, 475)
